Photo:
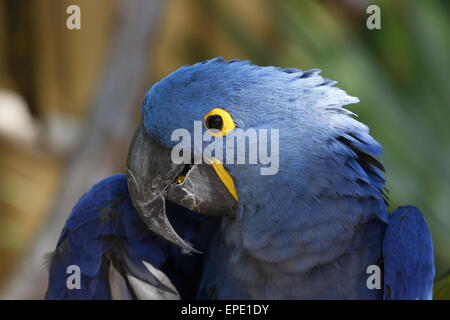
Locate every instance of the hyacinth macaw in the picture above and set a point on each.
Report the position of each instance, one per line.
(225, 231)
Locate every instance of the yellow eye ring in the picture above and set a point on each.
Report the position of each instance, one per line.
(218, 122)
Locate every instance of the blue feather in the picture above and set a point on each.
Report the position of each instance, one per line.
(104, 223)
(408, 256)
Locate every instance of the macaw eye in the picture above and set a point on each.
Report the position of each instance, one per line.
(214, 122)
(218, 122)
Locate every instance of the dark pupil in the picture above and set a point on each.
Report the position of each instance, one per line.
(214, 122)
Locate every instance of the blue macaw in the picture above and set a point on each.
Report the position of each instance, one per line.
(215, 230)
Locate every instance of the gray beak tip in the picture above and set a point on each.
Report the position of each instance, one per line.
(151, 179)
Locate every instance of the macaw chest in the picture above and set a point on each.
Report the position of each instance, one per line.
(234, 272)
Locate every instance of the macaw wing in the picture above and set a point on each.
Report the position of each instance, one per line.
(105, 251)
(408, 256)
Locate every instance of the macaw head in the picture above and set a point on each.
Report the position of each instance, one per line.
(228, 137)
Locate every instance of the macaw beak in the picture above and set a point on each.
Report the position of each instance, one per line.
(153, 178)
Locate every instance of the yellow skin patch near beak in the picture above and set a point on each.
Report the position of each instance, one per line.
(218, 123)
(227, 122)
(225, 177)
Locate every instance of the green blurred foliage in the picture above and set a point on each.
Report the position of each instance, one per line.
(401, 73)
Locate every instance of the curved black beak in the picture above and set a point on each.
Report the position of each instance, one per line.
(152, 178)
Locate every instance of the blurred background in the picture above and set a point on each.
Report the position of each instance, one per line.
(70, 99)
